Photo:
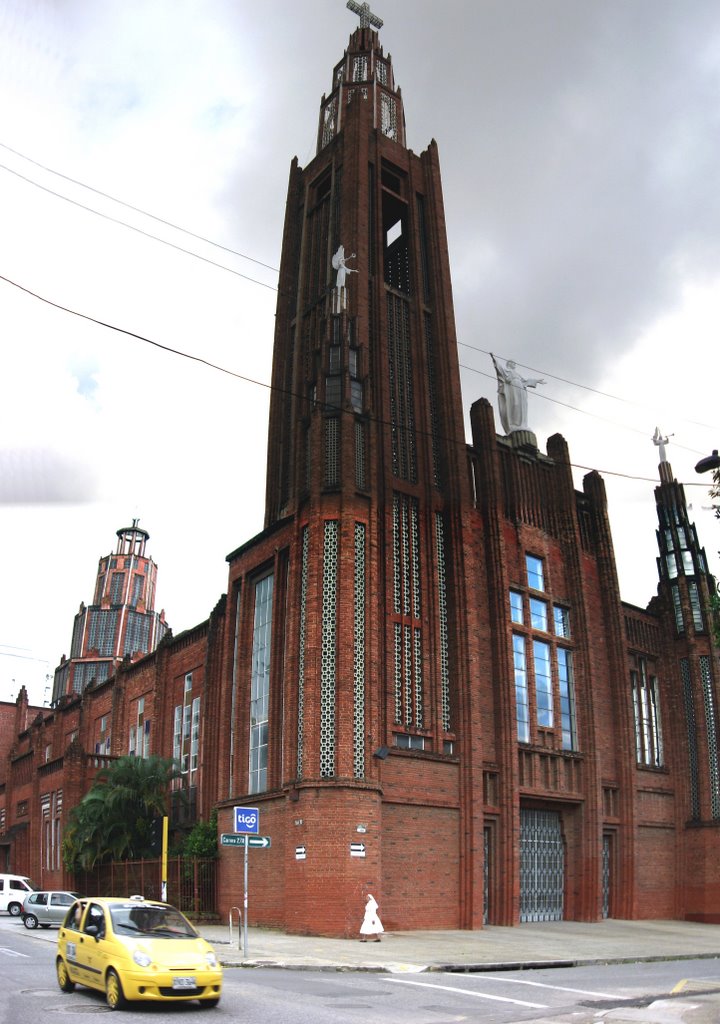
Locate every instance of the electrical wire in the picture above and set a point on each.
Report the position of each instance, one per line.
(263, 284)
(129, 206)
(140, 231)
(586, 412)
(585, 387)
(252, 380)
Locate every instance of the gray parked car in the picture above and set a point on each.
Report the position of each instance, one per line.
(46, 907)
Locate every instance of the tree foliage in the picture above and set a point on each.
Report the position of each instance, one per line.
(112, 821)
(203, 839)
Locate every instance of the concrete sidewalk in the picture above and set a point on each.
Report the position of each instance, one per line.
(562, 943)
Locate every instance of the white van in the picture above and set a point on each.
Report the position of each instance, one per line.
(13, 890)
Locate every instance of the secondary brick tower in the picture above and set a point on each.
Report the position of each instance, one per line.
(121, 621)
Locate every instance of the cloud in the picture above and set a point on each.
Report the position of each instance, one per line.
(41, 476)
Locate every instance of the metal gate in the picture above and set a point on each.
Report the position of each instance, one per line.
(486, 876)
(542, 866)
(606, 873)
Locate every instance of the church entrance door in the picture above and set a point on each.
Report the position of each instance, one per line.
(542, 866)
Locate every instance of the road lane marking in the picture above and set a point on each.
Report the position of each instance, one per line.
(12, 952)
(557, 988)
(466, 992)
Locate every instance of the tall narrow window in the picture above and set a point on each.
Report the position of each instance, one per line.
(102, 743)
(260, 685)
(186, 732)
(117, 586)
(522, 702)
(177, 735)
(139, 738)
(328, 655)
(567, 699)
(195, 736)
(646, 706)
(712, 743)
(695, 606)
(409, 698)
(692, 739)
(543, 684)
(677, 607)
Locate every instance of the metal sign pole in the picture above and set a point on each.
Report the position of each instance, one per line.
(245, 908)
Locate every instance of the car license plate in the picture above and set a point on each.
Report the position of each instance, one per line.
(183, 983)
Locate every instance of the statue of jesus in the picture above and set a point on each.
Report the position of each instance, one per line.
(512, 395)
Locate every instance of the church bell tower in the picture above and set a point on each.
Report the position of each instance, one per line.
(366, 433)
(366, 482)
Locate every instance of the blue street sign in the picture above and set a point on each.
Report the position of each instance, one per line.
(247, 819)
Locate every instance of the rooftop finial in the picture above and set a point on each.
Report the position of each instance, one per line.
(367, 18)
(661, 441)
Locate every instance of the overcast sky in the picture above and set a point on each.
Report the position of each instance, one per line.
(580, 148)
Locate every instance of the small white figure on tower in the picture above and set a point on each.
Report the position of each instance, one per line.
(661, 441)
(339, 264)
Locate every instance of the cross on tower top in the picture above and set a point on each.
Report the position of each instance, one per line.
(367, 18)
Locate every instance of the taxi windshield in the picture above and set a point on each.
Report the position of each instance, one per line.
(159, 922)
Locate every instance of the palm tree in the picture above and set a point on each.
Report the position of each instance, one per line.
(113, 820)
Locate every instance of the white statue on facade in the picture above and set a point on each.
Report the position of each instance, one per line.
(512, 395)
(339, 264)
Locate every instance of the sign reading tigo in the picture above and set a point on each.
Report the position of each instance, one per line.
(230, 839)
(247, 819)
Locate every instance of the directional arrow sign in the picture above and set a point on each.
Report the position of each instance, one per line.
(261, 841)
(230, 839)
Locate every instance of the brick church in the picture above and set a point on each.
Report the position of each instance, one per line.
(422, 673)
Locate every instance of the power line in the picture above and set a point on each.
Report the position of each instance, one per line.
(262, 384)
(139, 230)
(132, 334)
(129, 206)
(263, 284)
(586, 412)
(584, 387)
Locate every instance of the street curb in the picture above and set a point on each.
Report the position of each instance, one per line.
(472, 968)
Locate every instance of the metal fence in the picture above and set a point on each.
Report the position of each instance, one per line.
(191, 882)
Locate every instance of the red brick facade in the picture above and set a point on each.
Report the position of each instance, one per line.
(422, 674)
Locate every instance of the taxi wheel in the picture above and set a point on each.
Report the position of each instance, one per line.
(114, 996)
(63, 977)
(30, 921)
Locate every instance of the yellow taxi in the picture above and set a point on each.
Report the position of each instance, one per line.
(136, 949)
